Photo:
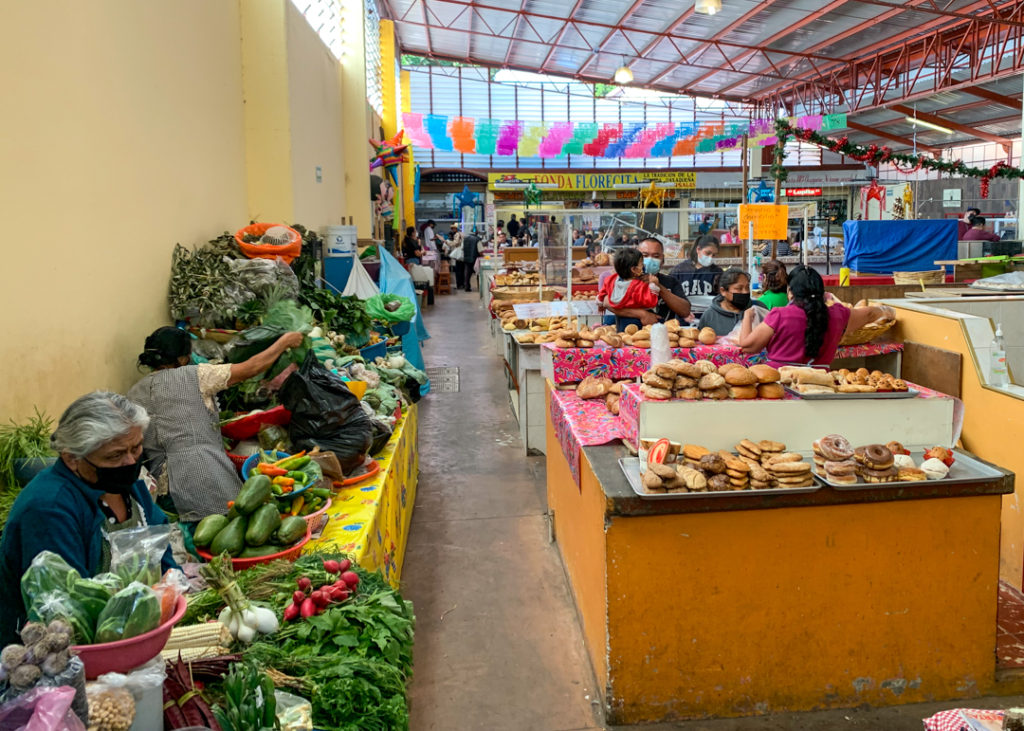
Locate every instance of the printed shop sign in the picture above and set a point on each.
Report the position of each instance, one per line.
(592, 181)
(770, 220)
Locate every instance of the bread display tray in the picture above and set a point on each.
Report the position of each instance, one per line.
(846, 396)
(631, 469)
(965, 469)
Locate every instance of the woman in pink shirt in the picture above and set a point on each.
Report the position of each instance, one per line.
(806, 331)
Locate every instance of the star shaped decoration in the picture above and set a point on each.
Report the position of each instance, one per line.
(531, 195)
(652, 195)
(389, 154)
(466, 198)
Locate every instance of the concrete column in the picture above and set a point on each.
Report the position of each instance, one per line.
(356, 116)
(409, 168)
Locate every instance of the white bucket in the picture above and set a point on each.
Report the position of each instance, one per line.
(340, 240)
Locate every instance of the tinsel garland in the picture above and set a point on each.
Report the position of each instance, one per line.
(875, 155)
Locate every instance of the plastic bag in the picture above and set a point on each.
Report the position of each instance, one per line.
(359, 282)
(171, 586)
(294, 713)
(273, 436)
(757, 318)
(132, 611)
(110, 708)
(265, 276)
(57, 604)
(136, 553)
(47, 572)
(145, 685)
(41, 709)
(378, 308)
(325, 413)
(329, 466)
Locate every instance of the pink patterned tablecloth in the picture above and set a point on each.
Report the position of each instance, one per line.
(581, 423)
(574, 364)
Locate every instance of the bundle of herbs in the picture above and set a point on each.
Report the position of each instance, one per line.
(352, 661)
(202, 290)
(342, 314)
(30, 440)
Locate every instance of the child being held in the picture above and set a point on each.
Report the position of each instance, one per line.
(628, 287)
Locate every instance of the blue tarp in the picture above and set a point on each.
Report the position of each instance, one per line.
(394, 279)
(883, 247)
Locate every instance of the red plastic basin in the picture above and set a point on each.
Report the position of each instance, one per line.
(124, 655)
(292, 553)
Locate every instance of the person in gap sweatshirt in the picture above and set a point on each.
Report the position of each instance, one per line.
(733, 299)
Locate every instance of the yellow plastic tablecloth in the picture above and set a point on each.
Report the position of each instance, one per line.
(370, 520)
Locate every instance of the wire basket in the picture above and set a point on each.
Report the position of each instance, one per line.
(934, 277)
(867, 333)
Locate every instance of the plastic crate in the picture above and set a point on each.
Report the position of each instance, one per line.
(377, 350)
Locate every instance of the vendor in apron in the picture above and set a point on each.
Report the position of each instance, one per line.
(93, 489)
(807, 331)
(183, 445)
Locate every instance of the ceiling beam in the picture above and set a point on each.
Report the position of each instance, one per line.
(512, 37)
(935, 10)
(608, 36)
(934, 151)
(671, 28)
(983, 93)
(558, 40)
(935, 119)
(806, 20)
(430, 47)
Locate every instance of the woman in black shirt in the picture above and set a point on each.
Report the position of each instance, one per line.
(411, 250)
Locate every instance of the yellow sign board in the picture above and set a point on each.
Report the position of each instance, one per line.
(590, 181)
(770, 220)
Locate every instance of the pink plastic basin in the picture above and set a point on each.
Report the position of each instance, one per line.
(123, 655)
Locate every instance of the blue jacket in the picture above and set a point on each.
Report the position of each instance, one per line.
(57, 511)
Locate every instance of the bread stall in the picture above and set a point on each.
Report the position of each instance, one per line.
(812, 543)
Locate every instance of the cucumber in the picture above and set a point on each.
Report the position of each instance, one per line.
(292, 529)
(231, 539)
(254, 493)
(259, 551)
(208, 529)
(262, 524)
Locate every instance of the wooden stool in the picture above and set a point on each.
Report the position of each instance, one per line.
(444, 282)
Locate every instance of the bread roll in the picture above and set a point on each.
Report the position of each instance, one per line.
(725, 368)
(743, 392)
(658, 394)
(684, 382)
(592, 387)
(582, 343)
(612, 402)
(765, 373)
(665, 371)
(653, 379)
(740, 377)
(683, 368)
(690, 394)
(706, 366)
(631, 329)
(710, 381)
(690, 333)
(687, 343)
(771, 391)
(707, 336)
(563, 343)
(719, 394)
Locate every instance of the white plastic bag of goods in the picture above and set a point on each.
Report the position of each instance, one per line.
(661, 352)
(359, 282)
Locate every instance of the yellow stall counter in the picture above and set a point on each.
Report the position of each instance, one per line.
(370, 520)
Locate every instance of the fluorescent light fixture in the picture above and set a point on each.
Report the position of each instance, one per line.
(623, 75)
(521, 186)
(641, 185)
(708, 7)
(929, 125)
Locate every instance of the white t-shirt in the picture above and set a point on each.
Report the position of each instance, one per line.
(428, 237)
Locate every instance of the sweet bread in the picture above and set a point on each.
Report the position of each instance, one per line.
(706, 366)
(810, 376)
(911, 474)
(768, 445)
(652, 379)
(694, 451)
(739, 377)
(682, 368)
(835, 448)
(687, 343)
(710, 381)
(690, 393)
(684, 382)
(752, 449)
(563, 343)
(631, 329)
(789, 468)
(717, 394)
(771, 391)
(657, 394)
(707, 336)
(612, 402)
(719, 483)
(765, 373)
(712, 464)
(726, 367)
(584, 343)
(742, 392)
(814, 389)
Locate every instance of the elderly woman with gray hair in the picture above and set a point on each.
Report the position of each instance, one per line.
(93, 489)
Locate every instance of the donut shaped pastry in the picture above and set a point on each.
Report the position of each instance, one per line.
(877, 457)
(836, 448)
(846, 467)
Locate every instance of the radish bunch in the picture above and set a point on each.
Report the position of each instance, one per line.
(307, 601)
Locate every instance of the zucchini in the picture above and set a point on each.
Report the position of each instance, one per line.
(293, 528)
(262, 524)
(254, 493)
(231, 539)
(208, 529)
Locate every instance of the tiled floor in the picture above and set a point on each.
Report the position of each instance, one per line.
(1010, 633)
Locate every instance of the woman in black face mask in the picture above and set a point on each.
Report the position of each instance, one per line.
(726, 311)
(93, 489)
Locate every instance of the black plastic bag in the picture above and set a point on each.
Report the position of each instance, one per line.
(325, 413)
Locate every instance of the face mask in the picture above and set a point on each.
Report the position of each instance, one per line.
(117, 480)
(705, 260)
(740, 300)
(651, 265)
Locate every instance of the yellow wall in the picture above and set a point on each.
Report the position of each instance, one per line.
(127, 127)
(122, 134)
(993, 423)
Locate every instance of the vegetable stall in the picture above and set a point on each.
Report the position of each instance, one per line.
(286, 614)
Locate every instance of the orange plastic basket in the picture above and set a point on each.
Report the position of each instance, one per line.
(265, 251)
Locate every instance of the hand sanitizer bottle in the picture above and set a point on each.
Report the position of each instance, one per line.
(998, 373)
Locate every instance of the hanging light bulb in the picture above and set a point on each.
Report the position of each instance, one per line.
(708, 7)
(623, 75)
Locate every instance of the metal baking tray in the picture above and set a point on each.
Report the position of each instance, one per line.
(631, 469)
(965, 469)
(837, 396)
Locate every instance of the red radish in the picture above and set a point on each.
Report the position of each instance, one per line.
(344, 565)
(298, 596)
(304, 583)
(351, 578)
(291, 612)
(308, 608)
(338, 594)
(319, 598)
(332, 567)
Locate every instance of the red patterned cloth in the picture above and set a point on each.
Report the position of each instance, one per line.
(581, 423)
(574, 364)
(964, 719)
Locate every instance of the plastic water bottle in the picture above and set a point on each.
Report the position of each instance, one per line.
(998, 373)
